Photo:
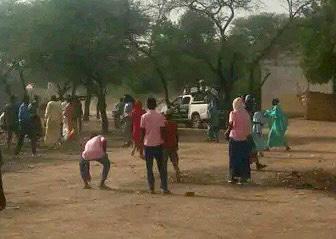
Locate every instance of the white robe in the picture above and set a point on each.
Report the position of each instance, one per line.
(53, 119)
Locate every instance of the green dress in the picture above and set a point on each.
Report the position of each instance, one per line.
(279, 127)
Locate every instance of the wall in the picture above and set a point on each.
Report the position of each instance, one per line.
(320, 106)
(286, 82)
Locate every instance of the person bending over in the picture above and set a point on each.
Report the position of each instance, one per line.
(95, 150)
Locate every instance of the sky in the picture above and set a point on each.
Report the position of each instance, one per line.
(277, 6)
(273, 6)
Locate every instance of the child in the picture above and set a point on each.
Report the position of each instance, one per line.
(170, 145)
(258, 124)
(2, 195)
(95, 150)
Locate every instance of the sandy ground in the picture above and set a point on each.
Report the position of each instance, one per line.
(46, 199)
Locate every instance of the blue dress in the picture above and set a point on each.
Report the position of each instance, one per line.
(258, 124)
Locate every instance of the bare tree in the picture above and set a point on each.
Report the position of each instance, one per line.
(158, 12)
(295, 9)
(222, 13)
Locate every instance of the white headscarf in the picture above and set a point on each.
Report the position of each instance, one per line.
(238, 104)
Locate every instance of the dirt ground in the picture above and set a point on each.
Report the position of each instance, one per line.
(46, 199)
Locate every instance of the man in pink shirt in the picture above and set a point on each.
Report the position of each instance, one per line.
(95, 150)
(152, 124)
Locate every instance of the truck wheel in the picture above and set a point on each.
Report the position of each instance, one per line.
(196, 122)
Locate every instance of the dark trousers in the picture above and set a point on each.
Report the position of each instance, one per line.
(157, 153)
(32, 134)
(239, 164)
(10, 131)
(84, 167)
(173, 156)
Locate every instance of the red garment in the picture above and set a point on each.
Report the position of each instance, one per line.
(170, 135)
(137, 112)
(68, 113)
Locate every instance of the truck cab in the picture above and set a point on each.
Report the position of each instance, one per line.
(190, 111)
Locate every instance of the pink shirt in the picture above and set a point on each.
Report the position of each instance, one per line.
(94, 148)
(152, 122)
(242, 126)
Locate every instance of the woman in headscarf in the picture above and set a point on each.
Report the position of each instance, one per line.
(213, 127)
(279, 126)
(240, 127)
(137, 112)
(53, 119)
(127, 120)
(34, 109)
(68, 124)
(250, 106)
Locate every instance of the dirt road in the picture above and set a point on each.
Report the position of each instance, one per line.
(46, 199)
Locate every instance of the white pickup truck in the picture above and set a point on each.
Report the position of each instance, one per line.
(189, 111)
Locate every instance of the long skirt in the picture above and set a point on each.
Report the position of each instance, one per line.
(239, 164)
(259, 141)
(127, 130)
(276, 139)
(52, 135)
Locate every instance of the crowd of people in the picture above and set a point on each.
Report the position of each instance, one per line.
(61, 121)
(245, 136)
(152, 134)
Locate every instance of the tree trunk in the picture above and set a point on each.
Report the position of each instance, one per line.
(87, 104)
(23, 82)
(163, 80)
(258, 98)
(102, 110)
(74, 89)
(5, 81)
(98, 110)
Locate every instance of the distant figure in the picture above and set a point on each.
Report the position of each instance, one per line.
(152, 126)
(249, 105)
(63, 105)
(2, 194)
(170, 144)
(119, 111)
(67, 117)
(77, 114)
(53, 120)
(201, 91)
(34, 110)
(240, 128)
(213, 126)
(279, 127)
(127, 120)
(27, 127)
(95, 150)
(137, 113)
(187, 90)
(11, 124)
(258, 137)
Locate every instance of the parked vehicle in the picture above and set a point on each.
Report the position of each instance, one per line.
(192, 111)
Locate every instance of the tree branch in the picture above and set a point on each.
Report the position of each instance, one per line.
(265, 79)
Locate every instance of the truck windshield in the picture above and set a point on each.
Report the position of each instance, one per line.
(186, 101)
(177, 102)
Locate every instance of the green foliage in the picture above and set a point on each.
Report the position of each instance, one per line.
(256, 31)
(319, 55)
(82, 40)
(74, 39)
